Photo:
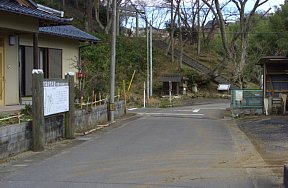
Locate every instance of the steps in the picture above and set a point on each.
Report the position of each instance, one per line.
(193, 63)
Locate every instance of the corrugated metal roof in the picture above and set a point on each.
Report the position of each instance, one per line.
(14, 7)
(272, 59)
(171, 77)
(68, 31)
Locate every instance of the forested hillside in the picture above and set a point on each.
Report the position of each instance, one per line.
(229, 43)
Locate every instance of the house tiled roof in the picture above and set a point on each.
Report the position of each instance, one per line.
(68, 31)
(14, 7)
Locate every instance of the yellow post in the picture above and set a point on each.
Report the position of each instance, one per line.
(124, 92)
(100, 99)
(131, 80)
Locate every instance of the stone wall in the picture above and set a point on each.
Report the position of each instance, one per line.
(87, 119)
(54, 128)
(17, 138)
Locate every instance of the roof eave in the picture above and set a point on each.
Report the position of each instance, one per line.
(70, 37)
(53, 20)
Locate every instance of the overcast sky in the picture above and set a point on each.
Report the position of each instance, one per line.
(270, 3)
(231, 8)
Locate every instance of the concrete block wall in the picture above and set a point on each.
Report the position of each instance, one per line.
(87, 119)
(119, 109)
(15, 139)
(54, 128)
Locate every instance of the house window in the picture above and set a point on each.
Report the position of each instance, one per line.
(50, 61)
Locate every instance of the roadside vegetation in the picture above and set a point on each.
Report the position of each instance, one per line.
(230, 48)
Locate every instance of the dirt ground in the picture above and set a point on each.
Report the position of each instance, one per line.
(269, 134)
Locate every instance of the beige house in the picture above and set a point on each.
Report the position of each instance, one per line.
(33, 36)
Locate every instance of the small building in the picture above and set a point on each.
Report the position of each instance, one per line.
(33, 36)
(174, 82)
(275, 75)
(274, 79)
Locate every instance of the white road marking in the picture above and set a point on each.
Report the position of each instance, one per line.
(174, 114)
(20, 165)
(132, 109)
(198, 109)
(195, 110)
(213, 108)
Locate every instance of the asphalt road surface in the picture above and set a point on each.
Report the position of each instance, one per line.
(190, 146)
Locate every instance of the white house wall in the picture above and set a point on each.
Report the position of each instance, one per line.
(70, 55)
(18, 22)
(70, 49)
(11, 73)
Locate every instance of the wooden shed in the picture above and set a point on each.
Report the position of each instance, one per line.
(275, 75)
(176, 82)
(275, 81)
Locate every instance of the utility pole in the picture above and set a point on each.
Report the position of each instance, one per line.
(180, 38)
(151, 69)
(172, 33)
(112, 63)
(198, 30)
(137, 24)
(148, 70)
(117, 21)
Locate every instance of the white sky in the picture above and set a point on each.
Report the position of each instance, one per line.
(270, 4)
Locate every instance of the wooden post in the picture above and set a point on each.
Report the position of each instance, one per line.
(92, 99)
(38, 123)
(118, 95)
(35, 51)
(87, 104)
(70, 115)
(95, 99)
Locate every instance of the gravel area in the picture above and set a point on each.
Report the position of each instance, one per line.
(270, 137)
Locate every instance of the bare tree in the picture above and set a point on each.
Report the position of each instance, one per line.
(245, 26)
(232, 51)
(101, 24)
(89, 9)
(180, 33)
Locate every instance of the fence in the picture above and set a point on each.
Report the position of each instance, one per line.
(246, 102)
(246, 99)
(94, 100)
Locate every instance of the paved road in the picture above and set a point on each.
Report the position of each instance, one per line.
(175, 147)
